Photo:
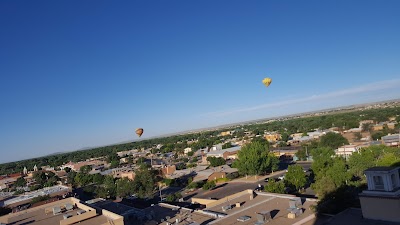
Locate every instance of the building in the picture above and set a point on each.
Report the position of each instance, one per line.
(226, 133)
(63, 212)
(228, 153)
(249, 207)
(217, 147)
(58, 190)
(272, 137)
(187, 150)
(168, 170)
(77, 166)
(382, 199)
(347, 150)
(391, 140)
(214, 173)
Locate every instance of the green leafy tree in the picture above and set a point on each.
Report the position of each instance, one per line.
(98, 179)
(216, 161)
(333, 140)
(110, 187)
(227, 145)
(285, 137)
(275, 187)
(255, 159)
(209, 185)
(322, 158)
(388, 159)
(144, 183)
(378, 135)
(301, 154)
(366, 127)
(296, 176)
(357, 136)
(114, 164)
(334, 176)
(124, 187)
(170, 198)
(85, 169)
(169, 182)
(20, 182)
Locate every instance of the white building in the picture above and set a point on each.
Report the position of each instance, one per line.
(347, 150)
(382, 199)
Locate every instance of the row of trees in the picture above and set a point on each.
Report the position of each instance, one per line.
(208, 138)
(143, 185)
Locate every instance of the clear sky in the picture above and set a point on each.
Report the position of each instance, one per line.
(77, 74)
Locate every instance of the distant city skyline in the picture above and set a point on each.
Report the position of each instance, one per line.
(80, 74)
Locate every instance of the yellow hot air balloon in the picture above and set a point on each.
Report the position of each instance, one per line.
(139, 131)
(267, 81)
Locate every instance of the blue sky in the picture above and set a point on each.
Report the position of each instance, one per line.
(77, 74)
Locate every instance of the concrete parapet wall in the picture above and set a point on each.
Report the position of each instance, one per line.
(78, 218)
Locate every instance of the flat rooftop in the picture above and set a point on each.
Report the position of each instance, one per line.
(39, 217)
(55, 213)
(276, 204)
(162, 213)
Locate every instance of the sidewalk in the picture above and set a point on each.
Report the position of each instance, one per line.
(254, 179)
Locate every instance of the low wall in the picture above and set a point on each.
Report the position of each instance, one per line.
(4, 219)
(78, 218)
(116, 219)
(230, 198)
(203, 201)
(209, 203)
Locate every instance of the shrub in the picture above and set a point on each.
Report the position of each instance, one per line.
(209, 185)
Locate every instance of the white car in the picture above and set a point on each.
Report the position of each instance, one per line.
(281, 177)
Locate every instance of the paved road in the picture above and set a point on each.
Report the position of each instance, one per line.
(235, 186)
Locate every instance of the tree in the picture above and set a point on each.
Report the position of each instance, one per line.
(332, 177)
(144, 183)
(85, 169)
(114, 164)
(296, 176)
(322, 158)
(67, 169)
(110, 186)
(20, 182)
(333, 140)
(98, 179)
(255, 159)
(216, 161)
(124, 187)
(227, 145)
(366, 127)
(209, 185)
(285, 137)
(301, 154)
(169, 182)
(275, 187)
(387, 159)
(357, 136)
(377, 135)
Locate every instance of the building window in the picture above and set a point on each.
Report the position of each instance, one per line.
(378, 182)
(393, 178)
